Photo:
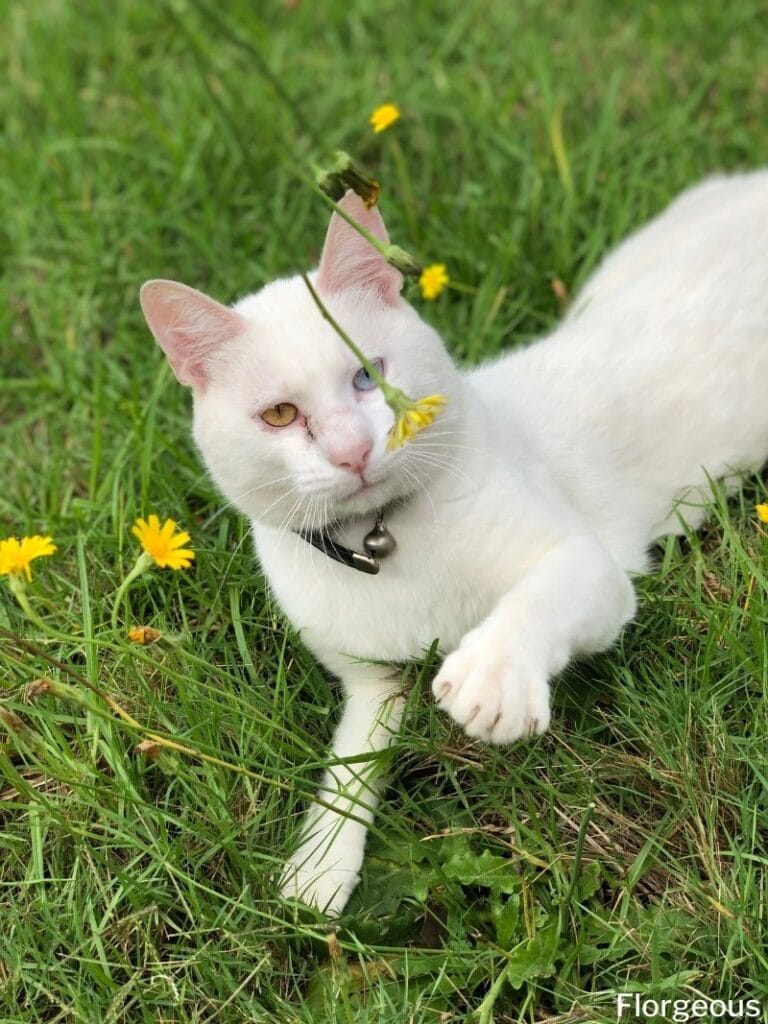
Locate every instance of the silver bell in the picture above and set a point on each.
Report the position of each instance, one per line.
(379, 542)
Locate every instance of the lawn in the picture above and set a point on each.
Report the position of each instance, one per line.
(624, 851)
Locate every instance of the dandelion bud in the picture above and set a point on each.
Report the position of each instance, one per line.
(37, 688)
(335, 951)
(401, 259)
(24, 737)
(61, 690)
(12, 722)
(149, 748)
(154, 751)
(343, 175)
(144, 635)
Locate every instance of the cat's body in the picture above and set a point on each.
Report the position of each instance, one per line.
(521, 511)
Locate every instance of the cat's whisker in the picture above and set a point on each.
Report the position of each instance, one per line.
(420, 484)
(446, 467)
(445, 440)
(301, 527)
(324, 519)
(319, 506)
(268, 483)
(231, 503)
(442, 450)
(285, 523)
(444, 420)
(443, 461)
(284, 520)
(431, 434)
(443, 437)
(310, 524)
(428, 442)
(285, 495)
(262, 512)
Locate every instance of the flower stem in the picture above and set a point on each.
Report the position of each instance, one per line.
(391, 394)
(19, 591)
(66, 692)
(143, 562)
(395, 255)
(374, 241)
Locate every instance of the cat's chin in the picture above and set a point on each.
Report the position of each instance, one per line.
(368, 499)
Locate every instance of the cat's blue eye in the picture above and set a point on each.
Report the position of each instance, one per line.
(362, 381)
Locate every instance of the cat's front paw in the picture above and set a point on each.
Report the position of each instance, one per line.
(497, 691)
(324, 879)
(326, 889)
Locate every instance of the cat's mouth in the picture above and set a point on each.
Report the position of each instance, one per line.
(367, 493)
(364, 487)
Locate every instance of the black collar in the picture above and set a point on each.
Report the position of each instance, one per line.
(378, 543)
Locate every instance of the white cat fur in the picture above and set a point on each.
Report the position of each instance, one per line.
(531, 499)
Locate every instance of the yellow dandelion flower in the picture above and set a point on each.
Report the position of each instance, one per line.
(15, 554)
(384, 116)
(163, 543)
(433, 279)
(411, 419)
(762, 512)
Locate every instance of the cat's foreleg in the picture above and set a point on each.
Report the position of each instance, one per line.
(574, 600)
(325, 868)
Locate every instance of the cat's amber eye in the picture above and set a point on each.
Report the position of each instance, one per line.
(280, 415)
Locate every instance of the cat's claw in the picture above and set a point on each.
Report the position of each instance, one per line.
(496, 692)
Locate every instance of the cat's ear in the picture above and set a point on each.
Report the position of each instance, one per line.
(349, 261)
(188, 327)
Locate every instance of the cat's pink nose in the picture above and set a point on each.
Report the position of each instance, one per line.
(353, 457)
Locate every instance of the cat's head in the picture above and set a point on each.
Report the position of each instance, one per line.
(290, 426)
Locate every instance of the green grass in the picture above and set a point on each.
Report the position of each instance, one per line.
(626, 849)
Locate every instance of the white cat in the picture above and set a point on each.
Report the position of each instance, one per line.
(518, 514)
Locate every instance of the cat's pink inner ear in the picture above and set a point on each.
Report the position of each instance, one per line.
(189, 327)
(349, 261)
